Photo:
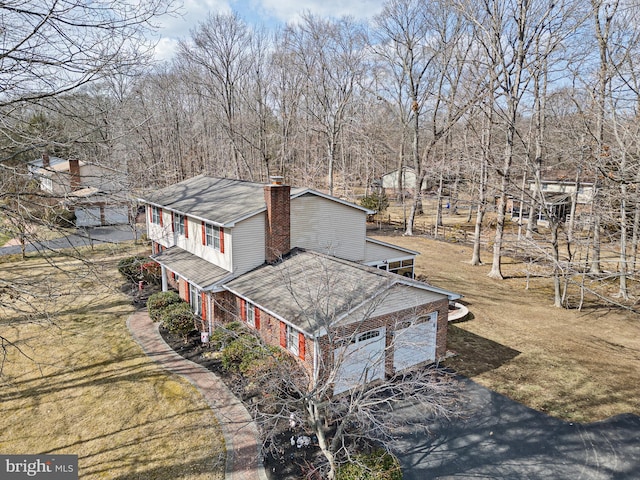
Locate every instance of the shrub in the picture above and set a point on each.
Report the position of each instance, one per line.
(131, 268)
(224, 335)
(178, 318)
(61, 217)
(376, 201)
(242, 353)
(158, 302)
(151, 273)
(377, 465)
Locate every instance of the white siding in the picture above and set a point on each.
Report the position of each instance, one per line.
(194, 245)
(248, 244)
(374, 252)
(328, 227)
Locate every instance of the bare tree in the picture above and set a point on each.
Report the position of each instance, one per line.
(330, 56)
(426, 46)
(298, 400)
(50, 50)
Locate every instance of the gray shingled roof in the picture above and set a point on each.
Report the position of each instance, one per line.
(313, 291)
(202, 273)
(220, 200)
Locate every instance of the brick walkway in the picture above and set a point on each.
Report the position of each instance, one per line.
(240, 432)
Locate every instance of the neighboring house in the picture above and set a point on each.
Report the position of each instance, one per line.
(558, 197)
(296, 266)
(390, 180)
(94, 193)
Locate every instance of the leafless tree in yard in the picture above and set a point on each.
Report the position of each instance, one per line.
(426, 47)
(50, 53)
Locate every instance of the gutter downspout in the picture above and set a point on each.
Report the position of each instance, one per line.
(316, 363)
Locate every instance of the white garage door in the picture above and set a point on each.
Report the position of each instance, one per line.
(87, 216)
(116, 215)
(362, 361)
(415, 343)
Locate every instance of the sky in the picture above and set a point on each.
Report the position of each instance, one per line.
(269, 13)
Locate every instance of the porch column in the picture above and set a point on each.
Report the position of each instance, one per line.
(165, 283)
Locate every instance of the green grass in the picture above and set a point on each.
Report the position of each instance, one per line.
(87, 388)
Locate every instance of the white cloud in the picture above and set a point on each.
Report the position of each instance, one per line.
(290, 10)
(177, 26)
(268, 13)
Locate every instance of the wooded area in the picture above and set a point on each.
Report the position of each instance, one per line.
(485, 101)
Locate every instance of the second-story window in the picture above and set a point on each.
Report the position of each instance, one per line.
(179, 224)
(156, 215)
(213, 236)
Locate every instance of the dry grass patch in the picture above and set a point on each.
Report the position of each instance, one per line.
(579, 366)
(89, 390)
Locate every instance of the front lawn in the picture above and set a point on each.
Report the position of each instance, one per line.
(88, 389)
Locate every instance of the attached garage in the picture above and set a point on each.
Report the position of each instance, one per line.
(415, 343)
(361, 361)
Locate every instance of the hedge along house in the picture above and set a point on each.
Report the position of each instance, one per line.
(236, 249)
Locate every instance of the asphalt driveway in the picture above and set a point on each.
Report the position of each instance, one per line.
(82, 238)
(501, 439)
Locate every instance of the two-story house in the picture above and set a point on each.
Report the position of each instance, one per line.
(95, 193)
(296, 266)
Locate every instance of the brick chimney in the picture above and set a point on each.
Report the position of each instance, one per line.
(278, 219)
(45, 160)
(74, 174)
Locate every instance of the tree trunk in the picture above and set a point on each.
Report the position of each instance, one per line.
(557, 294)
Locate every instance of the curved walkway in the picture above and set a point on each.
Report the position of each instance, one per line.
(239, 430)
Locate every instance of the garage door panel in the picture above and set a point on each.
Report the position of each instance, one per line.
(87, 216)
(116, 215)
(360, 361)
(415, 344)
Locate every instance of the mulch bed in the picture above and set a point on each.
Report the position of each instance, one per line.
(283, 459)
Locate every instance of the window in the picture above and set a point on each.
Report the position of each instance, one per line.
(400, 267)
(195, 300)
(251, 317)
(212, 236)
(292, 340)
(368, 335)
(156, 214)
(179, 224)
(46, 184)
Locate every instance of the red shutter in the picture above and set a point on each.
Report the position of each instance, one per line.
(256, 316)
(150, 208)
(301, 345)
(204, 234)
(283, 335)
(243, 310)
(160, 215)
(173, 222)
(221, 239)
(204, 305)
(187, 293)
(186, 226)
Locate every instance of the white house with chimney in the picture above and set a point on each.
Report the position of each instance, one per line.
(96, 194)
(295, 265)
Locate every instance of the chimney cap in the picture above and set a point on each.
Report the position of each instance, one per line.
(277, 179)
